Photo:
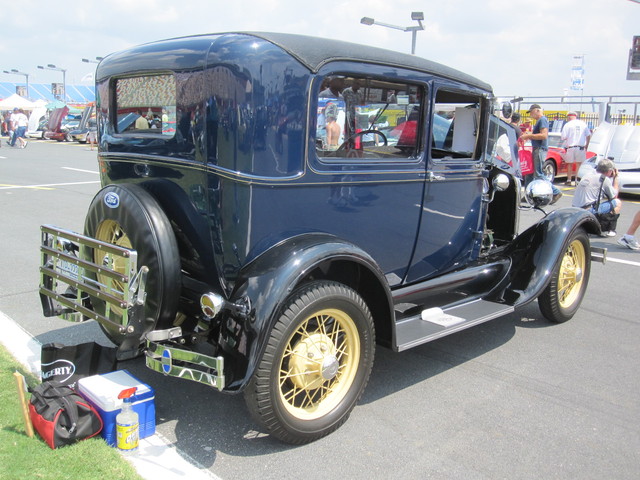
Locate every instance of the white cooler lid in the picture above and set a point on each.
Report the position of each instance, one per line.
(103, 389)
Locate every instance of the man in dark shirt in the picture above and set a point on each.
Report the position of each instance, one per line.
(540, 144)
(515, 123)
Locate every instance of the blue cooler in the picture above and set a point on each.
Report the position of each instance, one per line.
(102, 391)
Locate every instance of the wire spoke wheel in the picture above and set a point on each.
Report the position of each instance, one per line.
(319, 364)
(316, 364)
(110, 231)
(571, 274)
(560, 300)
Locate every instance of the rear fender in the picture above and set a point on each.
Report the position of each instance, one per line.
(536, 252)
(266, 283)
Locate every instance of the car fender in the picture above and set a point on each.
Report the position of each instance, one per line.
(536, 252)
(265, 284)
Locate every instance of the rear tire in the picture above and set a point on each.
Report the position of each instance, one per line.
(316, 364)
(138, 222)
(563, 296)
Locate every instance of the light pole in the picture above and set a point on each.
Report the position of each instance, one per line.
(97, 60)
(16, 72)
(64, 78)
(417, 16)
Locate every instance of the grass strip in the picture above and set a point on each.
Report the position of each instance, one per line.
(23, 457)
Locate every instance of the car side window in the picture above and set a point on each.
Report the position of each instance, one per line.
(455, 124)
(368, 118)
(502, 141)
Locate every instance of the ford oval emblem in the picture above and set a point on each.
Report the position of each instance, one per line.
(166, 361)
(112, 200)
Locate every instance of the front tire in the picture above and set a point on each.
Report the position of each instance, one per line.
(138, 222)
(549, 170)
(316, 364)
(563, 296)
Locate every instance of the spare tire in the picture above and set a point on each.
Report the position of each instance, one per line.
(128, 216)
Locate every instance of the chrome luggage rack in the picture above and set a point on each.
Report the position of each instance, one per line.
(69, 280)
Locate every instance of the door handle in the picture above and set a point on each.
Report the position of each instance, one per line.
(435, 178)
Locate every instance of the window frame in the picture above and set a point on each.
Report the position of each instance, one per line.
(142, 133)
(456, 90)
(422, 91)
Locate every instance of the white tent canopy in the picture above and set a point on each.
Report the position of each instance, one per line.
(15, 101)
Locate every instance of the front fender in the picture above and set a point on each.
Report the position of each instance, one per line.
(536, 252)
(267, 282)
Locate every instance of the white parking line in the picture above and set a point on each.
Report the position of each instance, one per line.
(626, 262)
(48, 185)
(80, 170)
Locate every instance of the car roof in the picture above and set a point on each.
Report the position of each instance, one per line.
(312, 52)
(315, 52)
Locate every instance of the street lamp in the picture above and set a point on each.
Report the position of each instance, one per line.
(417, 16)
(64, 78)
(86, 60)
(16, 72)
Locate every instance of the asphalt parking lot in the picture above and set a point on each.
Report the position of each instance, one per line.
(515, 398)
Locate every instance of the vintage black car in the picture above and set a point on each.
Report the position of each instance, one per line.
(273, 205)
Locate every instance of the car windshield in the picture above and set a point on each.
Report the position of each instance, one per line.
(554, 140)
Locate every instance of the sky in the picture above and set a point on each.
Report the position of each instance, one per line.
(521, 48)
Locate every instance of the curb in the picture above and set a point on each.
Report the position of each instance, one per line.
(156, 458)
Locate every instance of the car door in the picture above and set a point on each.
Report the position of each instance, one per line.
(452, 207)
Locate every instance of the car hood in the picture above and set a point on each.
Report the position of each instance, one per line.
(56, 117)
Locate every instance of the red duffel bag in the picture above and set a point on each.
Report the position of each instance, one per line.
(61, 416)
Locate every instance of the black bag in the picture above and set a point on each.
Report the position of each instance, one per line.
(67, 364)
(61, 416)
(608, 221)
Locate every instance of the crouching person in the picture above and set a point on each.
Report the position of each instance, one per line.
(598, 192)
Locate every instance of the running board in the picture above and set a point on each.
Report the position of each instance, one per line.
(435, 323)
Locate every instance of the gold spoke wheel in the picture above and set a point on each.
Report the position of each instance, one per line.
(316, 363)
(319, 364)
(571, 274)
(110, 231)
(562, 297)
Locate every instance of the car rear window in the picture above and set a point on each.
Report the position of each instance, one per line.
(146, 105)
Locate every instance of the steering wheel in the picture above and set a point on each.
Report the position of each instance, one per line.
(362, 133)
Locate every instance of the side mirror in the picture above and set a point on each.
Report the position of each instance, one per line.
(507, 110)
(539, 193)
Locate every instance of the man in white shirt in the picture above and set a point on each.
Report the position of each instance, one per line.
(20, 123)
(575, 137)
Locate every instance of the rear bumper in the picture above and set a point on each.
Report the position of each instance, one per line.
(165, 355)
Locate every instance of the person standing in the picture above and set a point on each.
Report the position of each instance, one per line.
(539, 137)
(20, 123)
(515, 123)
(141, 122)
(575, 137)
(12, 125)
(353, 97)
